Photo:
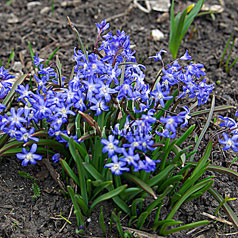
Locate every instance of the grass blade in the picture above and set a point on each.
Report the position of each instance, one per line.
(187, 226)
(11, 58)
(225, 49)
(225, 206)
(141, 184)
(107, 196)
(10, 95)
(205, 127)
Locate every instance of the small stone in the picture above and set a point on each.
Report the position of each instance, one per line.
(31, 5)
(13, 19)
(160, 5)
(17, 67)
(212, 8)
(157, 35)
(163, 17)
(70, 3)
(45, 10)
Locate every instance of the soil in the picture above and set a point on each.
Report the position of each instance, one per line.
(20, 214)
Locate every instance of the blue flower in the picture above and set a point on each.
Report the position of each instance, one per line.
(37, 60)
(42, 109)
(166, 133)
(186, 56)
(229, 142)
(149, 164)
(24, 135)
(103, 26)
(56, 157)
(24, 92)
(29, 156)
(171, 122)
(185, 115)
(158, 55)
(64, 111)
(130, 157)
(4, 75)
(227, 122)
(2, 107)
(111, 146)
(160, 95)
(15, 119)
(117, 167)
(99, 106)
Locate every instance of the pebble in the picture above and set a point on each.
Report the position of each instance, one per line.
(160, 5)
(157, 35)
(31, 5)
(13, 19)
(17, 67)
(45, 10)
(163, 17)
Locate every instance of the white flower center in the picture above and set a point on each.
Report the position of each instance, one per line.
(29, 156)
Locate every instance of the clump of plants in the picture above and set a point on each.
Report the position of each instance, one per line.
(116, 135)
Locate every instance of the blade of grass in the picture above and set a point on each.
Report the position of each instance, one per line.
(205, 127)
(225, 49)
(11, 58)
(225, 206)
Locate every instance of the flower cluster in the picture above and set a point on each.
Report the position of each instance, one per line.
(5, 82)
(137, 138)
(232, 127)
(103, 80)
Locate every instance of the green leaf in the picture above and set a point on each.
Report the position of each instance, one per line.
(9, 146)
(118, 224)
(185, 135)
(187, 226)
(10, 95)
(185, 196)
(82, 205)
(168, 222)
(225, 49)
(197, 172)
(169, 182)
(102, 221)
(161, 175)
(128, 194)
(26, 175)
(134, 206)
(51, 57)
(93, 172)
(100, 188)
(232, 216)
(107, 196)
(141, 220)
(180, 154)
(59, 71)
(190, 17)
(70, 172)
(219, 169)
(80, 168)
(31, 53)
(79, 147)
(141, 184)
(79, 39)
(77, 126)
(36, 191)
(229, 55)
(152, 205)
(205, 127)
(11, 58)
(79, 216)
(216, 109)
